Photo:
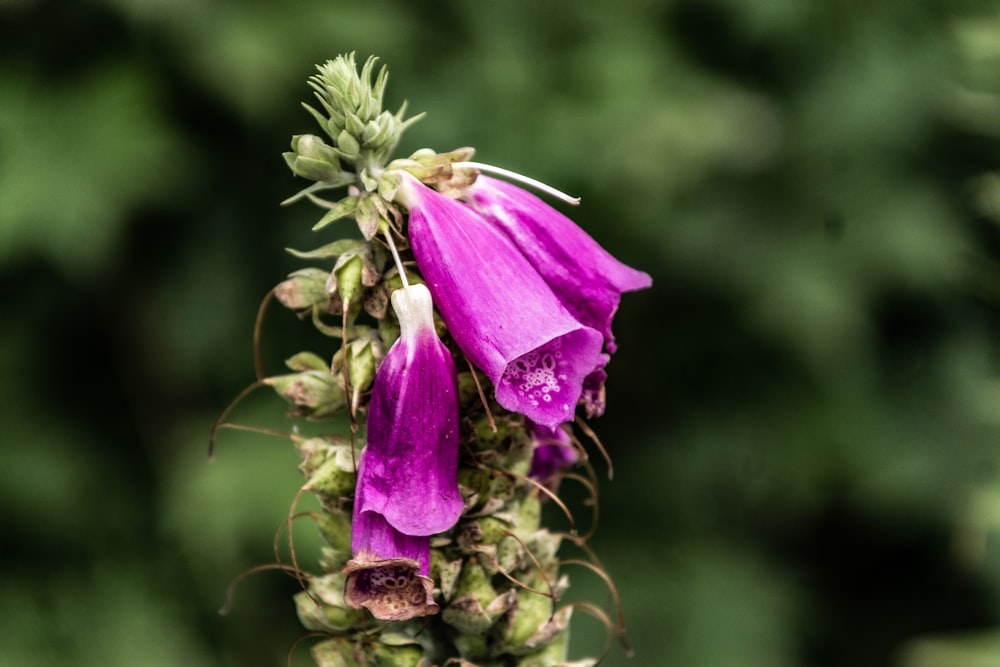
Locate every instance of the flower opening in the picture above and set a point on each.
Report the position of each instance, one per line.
(389, 571)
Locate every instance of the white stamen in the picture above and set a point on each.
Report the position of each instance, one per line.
(395, 257)
(521, 178)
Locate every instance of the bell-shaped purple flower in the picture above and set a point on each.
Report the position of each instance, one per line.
(585, 277)
(499, 309)
(407, 486)
(411, 458)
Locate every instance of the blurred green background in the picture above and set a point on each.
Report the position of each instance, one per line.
(804, 413)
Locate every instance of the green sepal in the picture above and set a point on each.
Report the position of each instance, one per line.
(330, 250)
(388, 184)
(307, 361)
(368, 181)
(367, 215)
(343, 208)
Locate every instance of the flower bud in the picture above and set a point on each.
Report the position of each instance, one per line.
(314, 393)
(304, 289)
(311, 158)
(340, 652)
(530, 624)
(322, 607)
(352, 111)
(476, 605)
(345, 279)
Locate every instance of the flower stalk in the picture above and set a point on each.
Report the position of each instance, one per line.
(463, 363)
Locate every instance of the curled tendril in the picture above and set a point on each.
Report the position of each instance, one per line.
(604, 619)
(238, 579)
(597, 443)
(612, 591)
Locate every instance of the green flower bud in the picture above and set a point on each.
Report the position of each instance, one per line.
(335, 527)
(346, 278)
(336, 652)
(361, 363)
(314, 148)
(476, 605)
(531, 624)
(311, 158)
(340, 652)
(473, 647)
(331, 613)
(304, 289)
(509, 553)
(348, 146)
(445, 573)
(314, 394)
(314, 452)
(332, 480)
(352, 111)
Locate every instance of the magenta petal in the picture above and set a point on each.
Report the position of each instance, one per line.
(373, 538)
(593, 390)
(499, 310)
(411, 460)
(585, 277)
(553, 452)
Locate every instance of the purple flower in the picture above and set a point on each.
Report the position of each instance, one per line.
(583, 275)
(554, 451)
(407, 486)
(411, 459)
(593, 390)
(499, 309)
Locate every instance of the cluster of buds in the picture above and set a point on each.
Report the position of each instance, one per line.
(474, 320)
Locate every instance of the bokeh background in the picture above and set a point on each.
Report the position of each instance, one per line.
(805, 409)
